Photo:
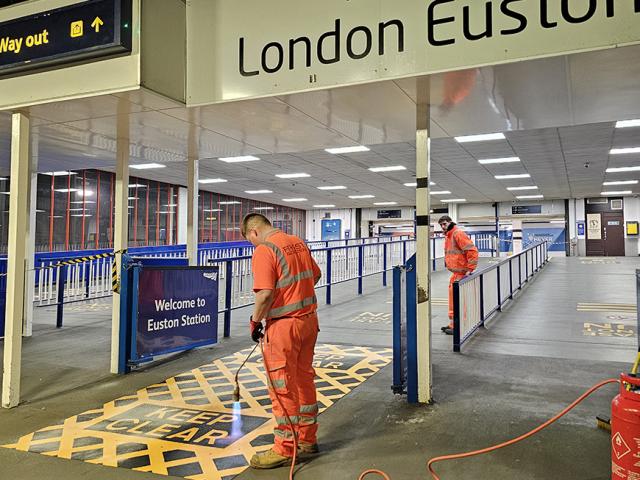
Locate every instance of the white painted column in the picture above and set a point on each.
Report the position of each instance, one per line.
(453, 211)
(182, 216)
(30, 240)
(121, 221)
(423, 251)
(20, 187)
(192, 211)
(517, 236)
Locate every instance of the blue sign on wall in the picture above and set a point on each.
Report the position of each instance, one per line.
(581, 229)
(555, 237)
(331, 229)
(177, 310)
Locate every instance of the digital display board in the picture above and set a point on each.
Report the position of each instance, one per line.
(389, 213)
(526, 209)
(83, 31)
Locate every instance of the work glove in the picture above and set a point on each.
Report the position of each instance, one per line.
(256, 330)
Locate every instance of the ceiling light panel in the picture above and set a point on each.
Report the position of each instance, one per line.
(441, 192)
(489, 161)
(620, 192)
(624, 151)
(334, 187)
(623, 169)
(454, 200)
(341, 150)
(380, 204)
(323, 206)
(628, 123)
(358, 197)
(509, 177)
(294, 199)
(292, 175)
(480, 138)
(516, 189)
(206, 181)
(242, 158)
(147, 166)
(529, 197)
(395, 168)
(257, 192)
(621, 182)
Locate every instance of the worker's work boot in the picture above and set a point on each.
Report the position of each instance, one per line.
(269, 459)
(308, 448)
(447, 330)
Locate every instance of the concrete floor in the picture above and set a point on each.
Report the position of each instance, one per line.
(530, 361)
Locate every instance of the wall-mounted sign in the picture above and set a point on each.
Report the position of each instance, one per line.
(389, 213)
(526, 209)
(580, 229)
(594, 226)
(632, 228)
(84, 31)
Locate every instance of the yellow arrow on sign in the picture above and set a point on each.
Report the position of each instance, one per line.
(97, 23)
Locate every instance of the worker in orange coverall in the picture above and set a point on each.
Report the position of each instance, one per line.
(461, 259)
(284, 276)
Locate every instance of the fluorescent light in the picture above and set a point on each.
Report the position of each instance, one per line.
(294, 199)
(480, 138)
(621, 192)
(621, 182)
(454, 200)
(255, 192)
(80, 202)
(208, 210)
(323, 206)
(623, 151)
(529, 197)
(212, 180)
(211, 219)
(147, 166)
(508, 177)
(59, 174)
(558, 221)
(627, 123)
(395, 168)
(357, 197)
(233, 202)
(292, 175)
(380, 204)
(130, 198)
(171, 205)
(411, 184)
(80, 215)
(515, 189)
(4, 178)
(76, 209)
(334, 187)
(67, 190)
(622, 169)
(338, 151)
(85, 193)
(242, 158)
(442, 192)
(137, 185)
(263, 208)
(5, 193)
(488, 161)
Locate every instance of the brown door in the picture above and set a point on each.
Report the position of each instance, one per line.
(613, 234)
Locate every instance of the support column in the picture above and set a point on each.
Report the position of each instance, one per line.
(423, 252)
(192, 212)
(30, 241)
(20, 195)
(121, 220)
(192, 197)
(453, 211)
(517, 236)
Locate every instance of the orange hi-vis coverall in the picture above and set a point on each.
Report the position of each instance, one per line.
(461, 257)
(283, 263)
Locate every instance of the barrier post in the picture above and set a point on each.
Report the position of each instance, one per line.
(360, 267)
(499, 289)
(87, 271)
(384, 264)
(526, 266)
(482, 299)
(62, 278)
(433, 259)
(398, 354)
(227, 298)
(510, 279)
(329, 275)
(456, 317)
(404, 252)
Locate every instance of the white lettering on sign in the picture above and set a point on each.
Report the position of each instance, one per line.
(171, 304)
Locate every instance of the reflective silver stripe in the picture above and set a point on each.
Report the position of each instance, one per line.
(280, 311)
(308, 420)
(283, 433)
(278, 383)
(454, 252)
(285, 282)
(309, 408)
(467, 248)
(283, 420)
(284, 266)
(458, 270)
(473, 262)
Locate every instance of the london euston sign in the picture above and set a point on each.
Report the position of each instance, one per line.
(80, 32)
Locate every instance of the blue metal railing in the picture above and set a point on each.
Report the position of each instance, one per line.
(478, 296)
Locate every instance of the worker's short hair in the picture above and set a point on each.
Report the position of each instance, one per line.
(445, 218)
(253, 220)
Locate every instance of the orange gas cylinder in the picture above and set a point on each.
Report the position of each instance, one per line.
(625, 430)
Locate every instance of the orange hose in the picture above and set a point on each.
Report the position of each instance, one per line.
(521, 437)
(377, 472)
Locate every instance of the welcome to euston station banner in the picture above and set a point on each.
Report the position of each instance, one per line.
(295, 45)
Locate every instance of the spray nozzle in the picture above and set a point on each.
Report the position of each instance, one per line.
(236, 393)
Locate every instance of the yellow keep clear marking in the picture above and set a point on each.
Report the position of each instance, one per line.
(606, 307)
(609, 330)
(187, 427)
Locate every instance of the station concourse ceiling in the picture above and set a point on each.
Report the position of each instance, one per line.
(558, 116)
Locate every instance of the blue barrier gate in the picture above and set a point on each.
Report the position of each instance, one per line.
(405, 347)
(166, 307)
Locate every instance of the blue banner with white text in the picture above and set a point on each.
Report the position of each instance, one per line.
(177, 309)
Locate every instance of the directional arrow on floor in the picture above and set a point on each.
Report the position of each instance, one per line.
(97, 23)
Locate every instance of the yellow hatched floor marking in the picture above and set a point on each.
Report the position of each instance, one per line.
(606, 307)
(186, 426)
